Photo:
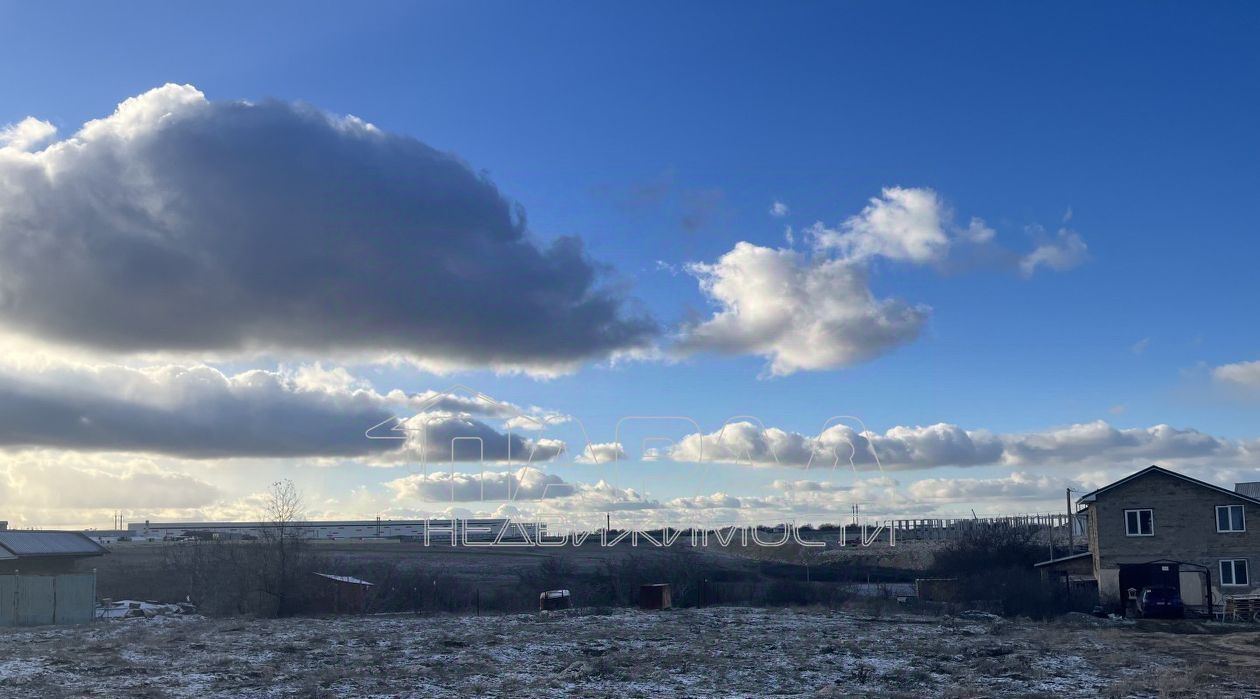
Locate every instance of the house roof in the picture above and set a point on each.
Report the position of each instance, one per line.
(1091, 497)
(24, 544)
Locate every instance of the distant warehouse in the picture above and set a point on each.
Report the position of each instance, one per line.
(438, 531)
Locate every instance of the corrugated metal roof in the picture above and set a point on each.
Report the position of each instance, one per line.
(37, 543)
(1251, 490)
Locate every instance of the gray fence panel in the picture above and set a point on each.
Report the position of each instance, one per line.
(8, 600)
(36, 600)
(75, 599)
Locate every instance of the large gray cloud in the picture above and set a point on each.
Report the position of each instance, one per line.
(200, 412)
(442, 437)
(178, 223)
(193, 411)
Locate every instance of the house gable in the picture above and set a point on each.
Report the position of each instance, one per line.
(1156, 470)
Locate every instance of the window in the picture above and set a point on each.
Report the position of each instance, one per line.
(1139, 523)
(1234, 572)
(1229, 518)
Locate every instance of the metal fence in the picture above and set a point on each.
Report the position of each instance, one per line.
(957, 528)
(35, 600)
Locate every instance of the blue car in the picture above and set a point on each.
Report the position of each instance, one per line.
(1160, 603)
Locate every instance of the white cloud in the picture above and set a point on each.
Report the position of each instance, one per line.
(817, 311)
(915, 225)
(522, 484)
(1065, 251)
(180, 224)
(533, 493)
(537, 419)
(663, 266)
(1098, 441)
(840, 446)
(802, 314)
(942, 444)
(717, 501)
(806, 486)
(778, 209)
(904, 224)
(1245, 374)
(60, 481)
(1018, 485)
(977, 231)
(468, 401)
(26, 134)
(601, 453)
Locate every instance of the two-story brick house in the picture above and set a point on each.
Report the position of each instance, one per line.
(1158, 527)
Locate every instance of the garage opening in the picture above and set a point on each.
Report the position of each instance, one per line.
(1191, 581)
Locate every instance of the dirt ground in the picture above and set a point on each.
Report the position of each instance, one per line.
(713, 652)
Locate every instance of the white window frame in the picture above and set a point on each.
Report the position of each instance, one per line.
(1233, 572)
(1241, 509)
(1139, 510)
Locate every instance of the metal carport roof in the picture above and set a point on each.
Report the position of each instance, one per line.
(21, 544)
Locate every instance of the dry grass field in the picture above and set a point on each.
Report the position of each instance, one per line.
(712, 652)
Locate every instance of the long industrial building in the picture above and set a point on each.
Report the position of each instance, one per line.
(439, 530)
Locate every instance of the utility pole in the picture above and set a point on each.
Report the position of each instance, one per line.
(1071, 524)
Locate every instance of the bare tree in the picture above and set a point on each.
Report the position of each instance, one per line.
(281, 549)
(283, 507)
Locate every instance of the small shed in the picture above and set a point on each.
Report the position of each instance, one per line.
(342, 594)
(554, 599)
(1077, 566)
(38, 580)
(655, 596)
(939, 590)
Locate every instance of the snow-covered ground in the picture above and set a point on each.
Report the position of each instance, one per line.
(714, 652)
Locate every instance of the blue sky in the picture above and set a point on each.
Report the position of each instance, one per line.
(661, 135)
